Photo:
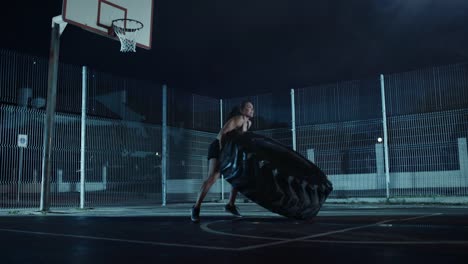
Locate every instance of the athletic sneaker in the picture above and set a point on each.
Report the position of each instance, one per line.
(232, 209)
(195, 214)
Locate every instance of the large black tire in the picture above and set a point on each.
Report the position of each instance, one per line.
(274, 176)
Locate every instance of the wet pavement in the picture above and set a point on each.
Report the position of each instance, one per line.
(155, 234)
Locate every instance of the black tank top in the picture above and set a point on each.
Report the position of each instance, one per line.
(235, 132)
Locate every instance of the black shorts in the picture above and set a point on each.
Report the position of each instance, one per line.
(213, 150)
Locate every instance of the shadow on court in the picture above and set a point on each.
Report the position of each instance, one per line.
(339, 234)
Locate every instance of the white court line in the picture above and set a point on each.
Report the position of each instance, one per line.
(205, 227)
(441, 242)
(310, 236)
(116, 240)
(279, 241)
(418, 217)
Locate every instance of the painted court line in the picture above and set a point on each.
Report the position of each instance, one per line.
(418, 217)
(279, 241)
(205, 228)
(115, 240)
(373, 242)
(331, 232)
(310, 236)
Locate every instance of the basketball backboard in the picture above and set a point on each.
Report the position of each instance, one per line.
(97, 16)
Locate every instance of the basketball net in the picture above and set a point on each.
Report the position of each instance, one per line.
(127, 30)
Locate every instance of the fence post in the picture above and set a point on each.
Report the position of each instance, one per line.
(384, 121)
(463, 161)
(221, 126)
(84, 83)
(380, 164)
(293, 119)
(164, 145)
(24, 95)
(311, 155)
(48, 137)
(104, 175)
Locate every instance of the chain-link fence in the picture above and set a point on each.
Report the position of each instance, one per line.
(123, 149)
(411, 144)
(428, 127)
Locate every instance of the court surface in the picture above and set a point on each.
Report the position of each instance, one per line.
(155, 234)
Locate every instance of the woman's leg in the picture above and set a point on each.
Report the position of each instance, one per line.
(213, 175)
(232, 197)
(230, 207)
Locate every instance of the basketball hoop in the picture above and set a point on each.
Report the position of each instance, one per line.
(127, 30)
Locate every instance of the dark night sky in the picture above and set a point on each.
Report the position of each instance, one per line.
(245, 47)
